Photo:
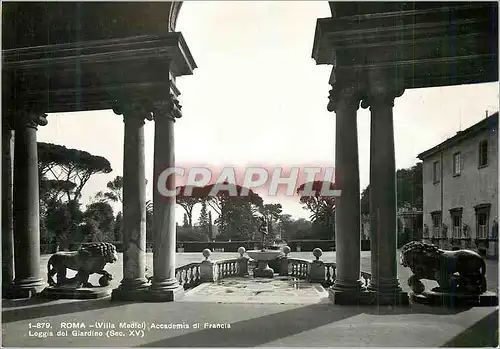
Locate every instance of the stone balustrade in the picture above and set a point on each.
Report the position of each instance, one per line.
(316, 271)
(188, 275)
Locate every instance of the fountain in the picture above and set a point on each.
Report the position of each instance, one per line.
(263, 256)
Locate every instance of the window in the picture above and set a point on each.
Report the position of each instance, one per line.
(457, 226)
(456, 164)
(435, 172)
(483, 153)
(456, 221)
(436, 223)
(482, 225)
(482, 220)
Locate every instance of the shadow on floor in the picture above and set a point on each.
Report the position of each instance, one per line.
(52, 308)
(483, 333)
(414, 308)
(265, 329)
(260, 330)
(14, 303)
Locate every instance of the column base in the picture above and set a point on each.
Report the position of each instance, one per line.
(165, 291)
(367, 297)
(167, 295)
(388, 292)
(133, 290)
(26, 288)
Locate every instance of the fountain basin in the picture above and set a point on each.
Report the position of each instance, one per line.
(263, 257)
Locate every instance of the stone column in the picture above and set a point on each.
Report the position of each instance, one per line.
(383, 220)
(7, 212)
(164, 286)
(134, 281)
(344, 100)
(27, 282)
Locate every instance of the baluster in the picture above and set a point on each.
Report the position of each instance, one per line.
(191, 276)
(197, 273)
(186, 278)
(328, 274)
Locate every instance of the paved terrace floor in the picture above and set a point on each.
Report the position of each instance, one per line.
(241, 313)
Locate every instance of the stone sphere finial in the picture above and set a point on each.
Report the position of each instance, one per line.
(317, 253)
(241, 251)
(286, 250)
(206, 253)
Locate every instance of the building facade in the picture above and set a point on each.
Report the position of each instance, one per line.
(460, 189)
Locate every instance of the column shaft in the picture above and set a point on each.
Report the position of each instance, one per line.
(7, 212)
(27, 280)
(164, 227)
(347, 206)
(134, 203)
(383, 226)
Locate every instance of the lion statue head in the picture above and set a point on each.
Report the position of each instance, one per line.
(105, 250)
(422, 258)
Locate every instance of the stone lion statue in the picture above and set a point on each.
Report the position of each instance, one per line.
(461, 271)
(89, 259)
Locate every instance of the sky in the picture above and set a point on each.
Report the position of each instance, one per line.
(257, 96)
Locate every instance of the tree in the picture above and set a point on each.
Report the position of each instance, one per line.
(284, 225)
(210, 225)
(203, 220)
(322, 207)
(190, 234)
(115, 191)
(185, 222)
(271, 213)
(300, 229)
(62, 220)
(102, 214)
(53, 189)
(149, 221)
(236, 207)
(118, 228)
(71, 165)
(365, 201)
(409, 189)
(188, 201)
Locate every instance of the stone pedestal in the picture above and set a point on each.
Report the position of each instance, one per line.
(54, 292)
(437, 298)
(344, 100)
(165, 286)
(7, 213)
(383, 221)
(134, 282)
(263, 270)
(317, 271)
(207, 273)
(27, 282)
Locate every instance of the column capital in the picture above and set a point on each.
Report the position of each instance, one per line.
(382, 89)
(347, 89)
(31, 120)
(132, 111)
(169, 108)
